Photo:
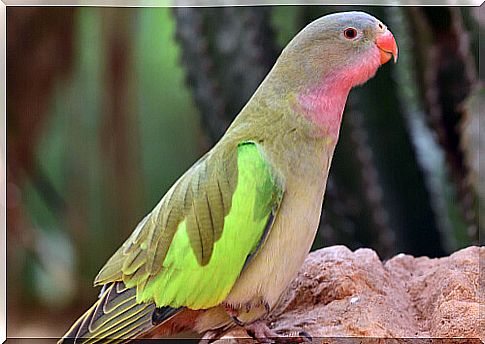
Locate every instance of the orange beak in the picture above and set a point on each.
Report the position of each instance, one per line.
(387, 45)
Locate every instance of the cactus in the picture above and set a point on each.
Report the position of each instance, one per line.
(447, 76)
(226, 52)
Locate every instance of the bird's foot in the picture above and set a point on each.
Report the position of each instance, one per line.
(260, 331)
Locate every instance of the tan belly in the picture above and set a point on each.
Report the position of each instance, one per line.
(284, 251)
(277, 263)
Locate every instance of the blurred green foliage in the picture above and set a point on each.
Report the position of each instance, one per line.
(71, 154)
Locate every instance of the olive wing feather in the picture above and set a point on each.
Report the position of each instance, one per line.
(189, 222)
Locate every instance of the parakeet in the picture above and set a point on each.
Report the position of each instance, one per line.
(225, 241)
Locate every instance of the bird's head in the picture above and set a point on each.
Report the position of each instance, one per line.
(320, 65)
(347, 45)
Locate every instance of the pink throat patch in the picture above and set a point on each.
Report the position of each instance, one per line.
(325, 103)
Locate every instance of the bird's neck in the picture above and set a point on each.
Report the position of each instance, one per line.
(323, 105)
(323, 102)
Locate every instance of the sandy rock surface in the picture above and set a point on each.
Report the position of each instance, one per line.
(340, 293)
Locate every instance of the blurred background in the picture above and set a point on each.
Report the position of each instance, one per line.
(107, 107)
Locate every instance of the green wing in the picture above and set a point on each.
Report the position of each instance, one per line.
(191, 248)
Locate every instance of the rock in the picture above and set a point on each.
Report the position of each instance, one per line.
(340, 293)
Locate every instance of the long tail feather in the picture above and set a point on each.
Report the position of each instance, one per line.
(116, 317)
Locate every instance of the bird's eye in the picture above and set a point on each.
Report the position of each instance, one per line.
(350, 33)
